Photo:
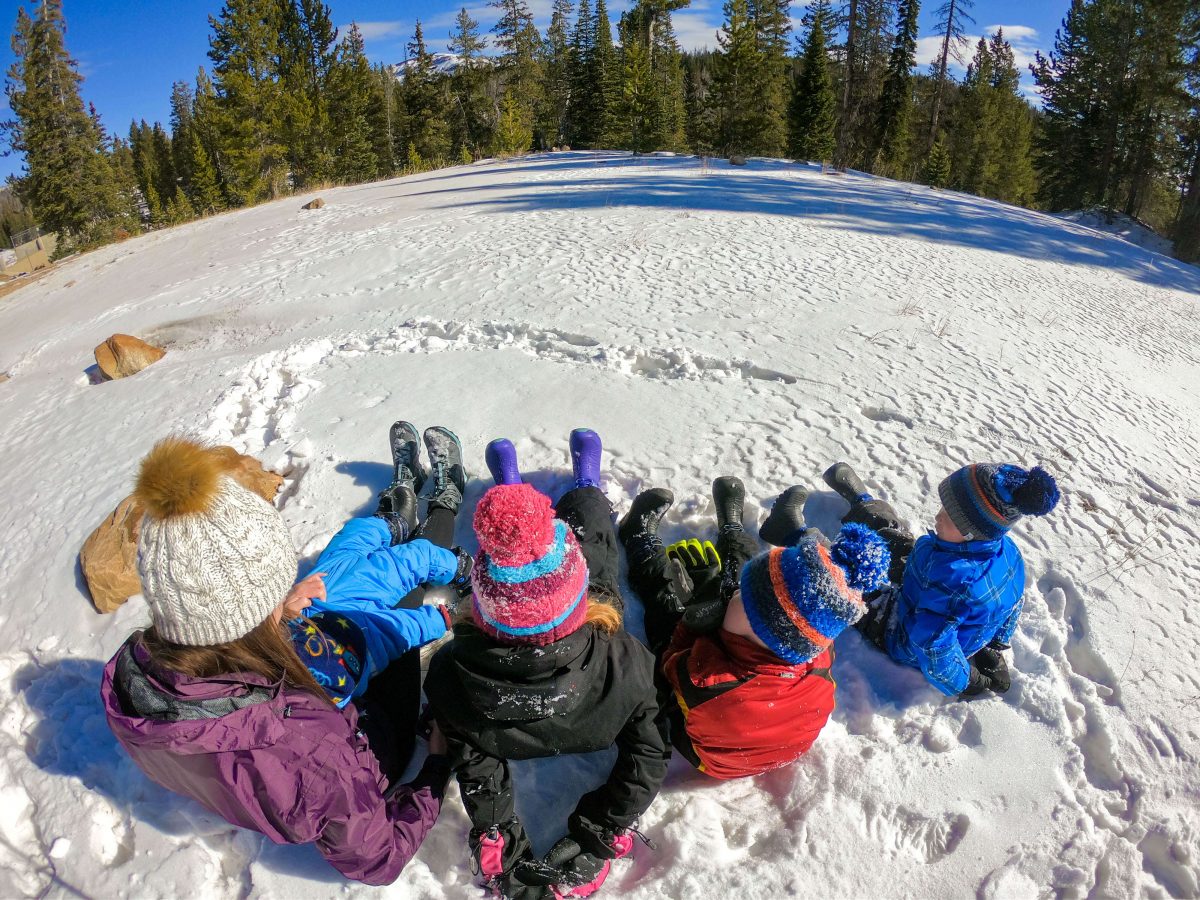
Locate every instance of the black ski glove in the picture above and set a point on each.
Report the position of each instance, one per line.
(705, 609)
(461, 582)
(977, 684)
(991, 664)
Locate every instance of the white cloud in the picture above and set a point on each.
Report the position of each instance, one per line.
(1025, 43)
(695, 31)
(373, 31)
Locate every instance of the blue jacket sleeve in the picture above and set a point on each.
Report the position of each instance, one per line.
(361, 565)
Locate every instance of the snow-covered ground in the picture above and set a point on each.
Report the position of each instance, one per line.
(763, 322)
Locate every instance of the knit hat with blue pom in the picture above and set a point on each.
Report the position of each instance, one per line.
(799, 598)
(986, 499)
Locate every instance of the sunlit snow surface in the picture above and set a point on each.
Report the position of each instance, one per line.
(761, 321)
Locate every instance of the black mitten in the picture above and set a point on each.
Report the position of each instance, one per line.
(992, 665)
(977, 684)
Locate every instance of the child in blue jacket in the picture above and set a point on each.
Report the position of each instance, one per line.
(955, 610)
(364, 619)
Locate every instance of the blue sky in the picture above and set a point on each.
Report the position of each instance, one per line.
(130, 51)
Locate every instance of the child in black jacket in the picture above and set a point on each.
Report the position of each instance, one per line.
(545, 669)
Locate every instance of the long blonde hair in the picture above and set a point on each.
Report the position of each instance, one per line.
(600, 614)
(266, 650)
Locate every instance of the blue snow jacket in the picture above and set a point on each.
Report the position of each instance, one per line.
(366, 577)
(955, 599)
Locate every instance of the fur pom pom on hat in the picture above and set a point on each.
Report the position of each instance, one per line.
(529, 584)
(214, 558)
(799, 598)
(984, 500)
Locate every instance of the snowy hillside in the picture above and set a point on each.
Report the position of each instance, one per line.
(764, 322)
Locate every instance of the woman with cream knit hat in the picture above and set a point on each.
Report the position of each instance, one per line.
(213, 700)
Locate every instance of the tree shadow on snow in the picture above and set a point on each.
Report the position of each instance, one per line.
(854, 202)
(71, 738)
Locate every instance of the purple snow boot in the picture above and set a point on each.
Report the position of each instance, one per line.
(501, 459)
(585, 457)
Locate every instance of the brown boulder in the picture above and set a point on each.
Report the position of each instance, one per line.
(250, 474)
(737, 160)
(109, 555)
(123, 355)
(314, 204)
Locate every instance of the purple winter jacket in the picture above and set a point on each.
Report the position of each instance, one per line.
(272, 759)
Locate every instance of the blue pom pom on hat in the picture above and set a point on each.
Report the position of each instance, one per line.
(985, 500)
(799, 598)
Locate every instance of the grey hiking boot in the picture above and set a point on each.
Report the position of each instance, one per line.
(406, 456)
(445, 459)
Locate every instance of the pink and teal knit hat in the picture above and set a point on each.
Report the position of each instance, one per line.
(529, 584)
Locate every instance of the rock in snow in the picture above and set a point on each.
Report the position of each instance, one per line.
(123, 355)
(318, 203)
(704, 323)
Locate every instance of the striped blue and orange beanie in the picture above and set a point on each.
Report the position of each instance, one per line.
(529, 584)
(799, 598)
(986, 499)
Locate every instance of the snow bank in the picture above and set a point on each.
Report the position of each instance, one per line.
(762, 321)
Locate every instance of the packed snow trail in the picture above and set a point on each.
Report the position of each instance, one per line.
(762, 322)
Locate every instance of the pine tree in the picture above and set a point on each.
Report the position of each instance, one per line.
(559, 66)
(581, 126)
(206, 194)
(352, 92)
(520, 63)
(631, 120)
(952, 17)
(772, 25)
(471, 129)
(739, 78)
(425, 124)
(181, 139)
(895, 107)
(700, 125)
(68, 181)
(307, 48)
(936, 172)
(249, 107)
(514, 131)
(812, 114)
(606, 73)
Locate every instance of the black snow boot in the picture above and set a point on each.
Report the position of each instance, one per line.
(878, 515)
(398, 508)
(846, 483)
(449, 476)
(729, 495)
(785, 523)
(638, 530)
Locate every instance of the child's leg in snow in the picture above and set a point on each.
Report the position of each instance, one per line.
(736, 548)
(438, 528)
(589, 514)
(388, 714)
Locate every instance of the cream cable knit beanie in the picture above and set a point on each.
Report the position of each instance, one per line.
(214, 558)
